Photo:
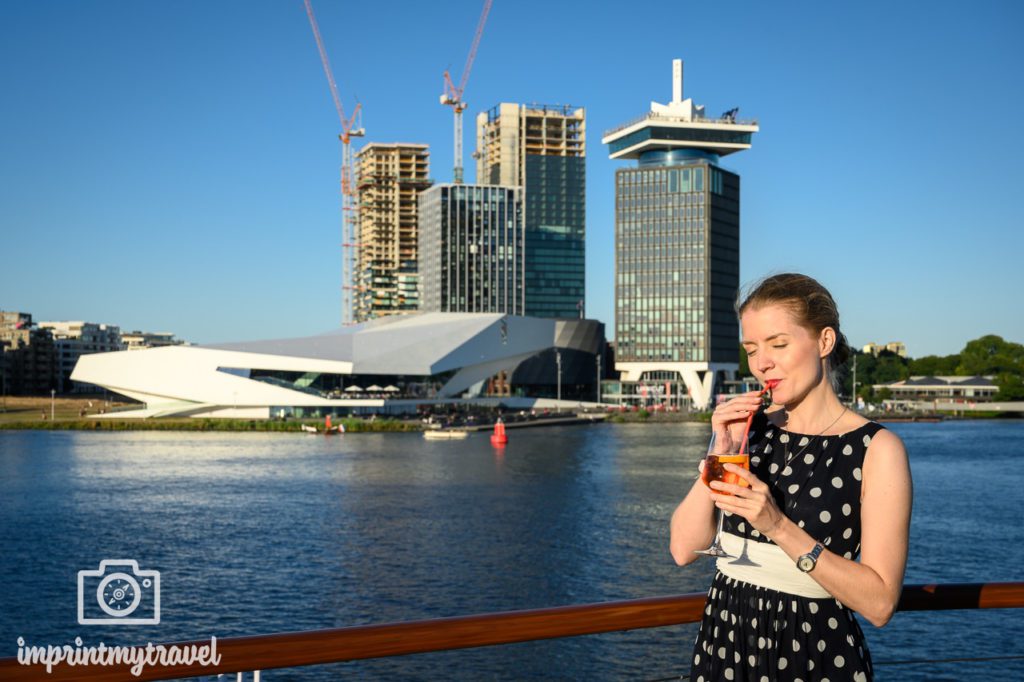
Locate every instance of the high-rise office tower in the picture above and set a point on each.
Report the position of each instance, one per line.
(677, 255)
(542, 149)
(471, 249)
(388, 178)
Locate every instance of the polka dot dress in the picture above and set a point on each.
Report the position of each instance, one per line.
(754, 633)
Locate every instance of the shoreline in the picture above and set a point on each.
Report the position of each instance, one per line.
(392, 425)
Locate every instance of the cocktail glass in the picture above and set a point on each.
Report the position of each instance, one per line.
(714, 470)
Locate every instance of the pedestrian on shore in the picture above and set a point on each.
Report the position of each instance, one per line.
(821, 519)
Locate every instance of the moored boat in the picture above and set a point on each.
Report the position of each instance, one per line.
(445, 434)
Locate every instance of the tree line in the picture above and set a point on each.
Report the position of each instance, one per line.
(989, 355)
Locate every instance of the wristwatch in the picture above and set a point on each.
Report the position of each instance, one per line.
(807, 562)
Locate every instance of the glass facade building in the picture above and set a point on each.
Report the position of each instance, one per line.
(471, 249)
(677, 256)
(542, 149)
(677, 263)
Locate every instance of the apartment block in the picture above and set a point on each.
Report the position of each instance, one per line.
(388, 179)
(71, 340)
(541, 149)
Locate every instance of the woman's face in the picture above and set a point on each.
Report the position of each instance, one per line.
(779, 348)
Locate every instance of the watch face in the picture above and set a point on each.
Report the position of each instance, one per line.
(805, 563)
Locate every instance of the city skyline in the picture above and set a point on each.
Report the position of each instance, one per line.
(185, 178)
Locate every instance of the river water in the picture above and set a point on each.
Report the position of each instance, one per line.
(262, 533)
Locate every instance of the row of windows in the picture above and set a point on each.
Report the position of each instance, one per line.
(675, 355)
(664, 180)
(660, 277)
(672, 318)
(644, 215)
(685, 297)
(655, 240)
(631, 201)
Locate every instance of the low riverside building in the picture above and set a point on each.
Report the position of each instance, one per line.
(955, 388)
(72, 340)
(393, 364)
(137, 340)
(29, 365)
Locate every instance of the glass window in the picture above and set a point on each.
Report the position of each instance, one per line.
(698, 179)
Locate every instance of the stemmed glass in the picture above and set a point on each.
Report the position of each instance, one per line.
(715, 471)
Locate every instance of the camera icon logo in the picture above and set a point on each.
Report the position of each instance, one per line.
(125, 595)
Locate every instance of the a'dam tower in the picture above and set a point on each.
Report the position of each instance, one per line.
(677, 249)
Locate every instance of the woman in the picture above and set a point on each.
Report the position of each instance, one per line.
(825, 485)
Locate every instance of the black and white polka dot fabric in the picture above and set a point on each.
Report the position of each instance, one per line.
(755, 633)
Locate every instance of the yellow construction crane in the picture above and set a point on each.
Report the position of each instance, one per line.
(350, 127)
(453, 96)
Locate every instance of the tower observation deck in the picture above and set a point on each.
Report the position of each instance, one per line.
(680, 124)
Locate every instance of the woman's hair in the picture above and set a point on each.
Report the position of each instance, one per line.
(810, 304)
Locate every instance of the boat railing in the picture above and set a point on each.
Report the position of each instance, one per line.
(318, 647)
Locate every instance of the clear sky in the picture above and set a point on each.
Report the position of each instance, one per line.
(173, 166)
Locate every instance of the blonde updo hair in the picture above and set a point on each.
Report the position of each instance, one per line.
(811, 305)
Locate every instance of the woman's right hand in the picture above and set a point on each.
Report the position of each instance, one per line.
(730, 418)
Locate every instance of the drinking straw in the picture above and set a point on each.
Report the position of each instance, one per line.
(768, 385)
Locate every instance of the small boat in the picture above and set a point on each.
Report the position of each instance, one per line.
(445, 434)
(328, 431)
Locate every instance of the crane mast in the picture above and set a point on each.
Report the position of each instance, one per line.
(350, 127)
(452, 95)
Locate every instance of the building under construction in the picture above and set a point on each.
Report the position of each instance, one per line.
(388, 178)
(542, 149)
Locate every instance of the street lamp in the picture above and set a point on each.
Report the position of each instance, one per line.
(558, 362)
(53, 394)
(598, 391)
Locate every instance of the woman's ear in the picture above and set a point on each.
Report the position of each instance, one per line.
(826, 341)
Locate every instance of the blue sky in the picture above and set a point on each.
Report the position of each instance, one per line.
(174, 165)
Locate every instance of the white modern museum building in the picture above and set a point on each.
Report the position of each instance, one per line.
(392, 364)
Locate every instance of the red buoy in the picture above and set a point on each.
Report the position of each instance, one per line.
(498, 438)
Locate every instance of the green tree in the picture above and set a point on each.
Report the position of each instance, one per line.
(1011, 386)
(935, 365)
(890, 367)
(991, 355)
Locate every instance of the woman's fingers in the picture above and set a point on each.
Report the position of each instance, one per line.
(750, 477)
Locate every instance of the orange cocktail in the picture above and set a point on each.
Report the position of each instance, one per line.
(715, 471)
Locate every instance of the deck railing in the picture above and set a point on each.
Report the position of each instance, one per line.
(289, 650)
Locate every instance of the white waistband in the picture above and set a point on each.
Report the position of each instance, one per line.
(766, 565)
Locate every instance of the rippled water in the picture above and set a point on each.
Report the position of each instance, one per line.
(260, 533)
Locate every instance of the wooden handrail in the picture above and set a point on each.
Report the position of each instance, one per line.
(287, 650)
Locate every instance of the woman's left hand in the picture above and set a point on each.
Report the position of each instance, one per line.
(754, 502)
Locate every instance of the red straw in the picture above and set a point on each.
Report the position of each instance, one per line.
(768, 385)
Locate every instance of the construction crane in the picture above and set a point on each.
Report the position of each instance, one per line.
(350, 127)
(453, 96)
